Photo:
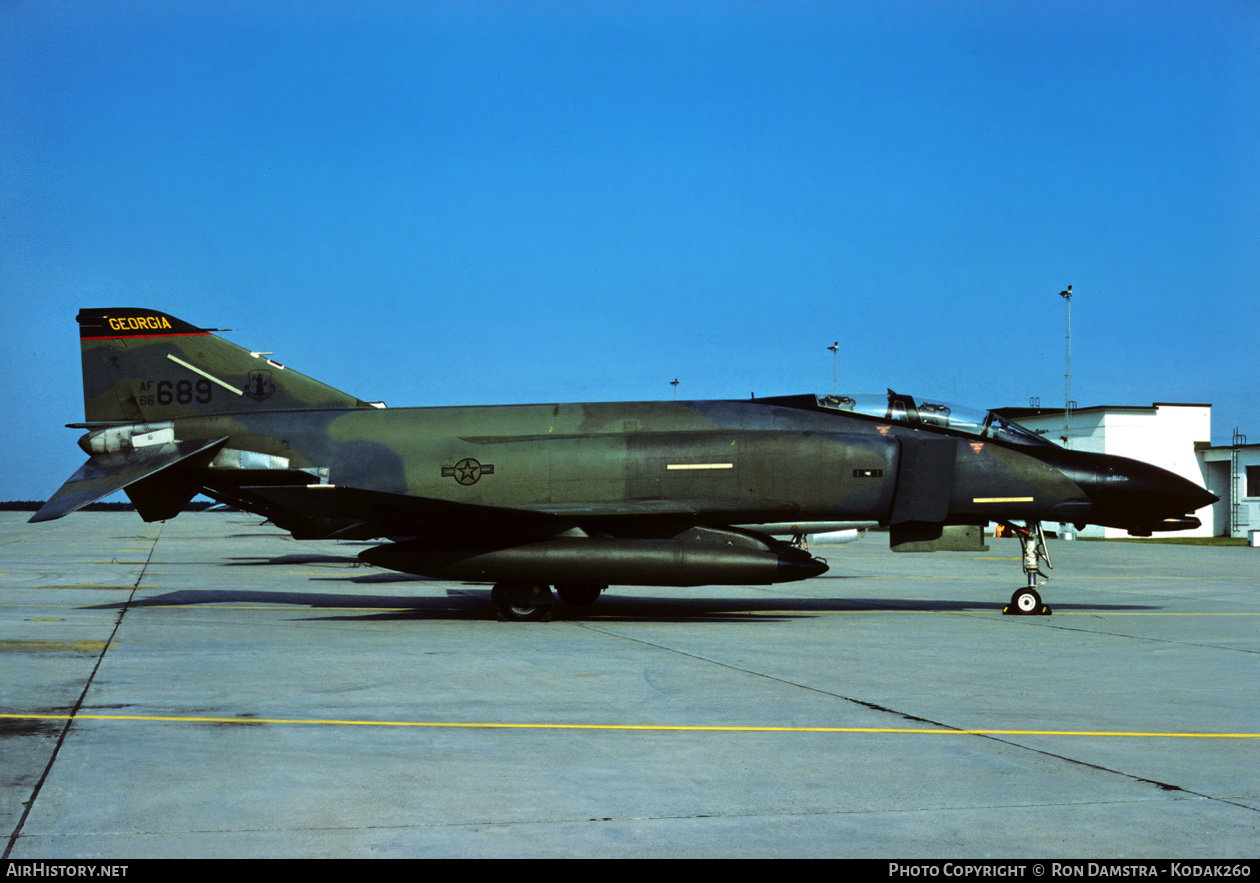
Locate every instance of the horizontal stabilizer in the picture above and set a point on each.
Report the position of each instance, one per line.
(105, 474)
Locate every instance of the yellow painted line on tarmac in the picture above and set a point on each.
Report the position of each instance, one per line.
(1197, 577)
(140, 605)
(49, 606)
(37, 645)
(1077, 580)
(678, 728)
(1144, 613)
(987, 611)
(293, 607)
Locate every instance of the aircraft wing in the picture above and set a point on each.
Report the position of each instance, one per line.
(397, 513)
(335, 502)
(105, 474)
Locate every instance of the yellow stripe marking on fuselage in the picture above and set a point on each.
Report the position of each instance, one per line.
(1001, 499)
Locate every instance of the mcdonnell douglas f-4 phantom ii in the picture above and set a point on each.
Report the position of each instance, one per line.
(576, 496)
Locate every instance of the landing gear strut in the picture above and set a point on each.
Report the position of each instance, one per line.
(1026, 601)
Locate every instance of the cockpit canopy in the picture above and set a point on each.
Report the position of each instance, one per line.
(944, 415)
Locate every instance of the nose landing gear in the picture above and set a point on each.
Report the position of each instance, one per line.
(1026, 601)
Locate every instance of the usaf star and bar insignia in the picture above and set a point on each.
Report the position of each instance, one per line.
(467, 471)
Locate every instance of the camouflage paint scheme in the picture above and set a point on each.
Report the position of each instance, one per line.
(648, 493)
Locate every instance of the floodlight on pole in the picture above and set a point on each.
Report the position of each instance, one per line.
(835, 348)
(674, 384)
(1067, 372)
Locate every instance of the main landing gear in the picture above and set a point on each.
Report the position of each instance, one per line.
(532, 602)
(1026, 601)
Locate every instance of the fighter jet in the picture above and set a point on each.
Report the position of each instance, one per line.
(575, 496)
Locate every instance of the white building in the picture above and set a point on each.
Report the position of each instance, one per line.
(1233, 474)
(1171, 435)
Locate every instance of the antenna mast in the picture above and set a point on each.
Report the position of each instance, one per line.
(1067, 373)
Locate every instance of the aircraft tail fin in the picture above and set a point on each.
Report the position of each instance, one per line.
(140, 365)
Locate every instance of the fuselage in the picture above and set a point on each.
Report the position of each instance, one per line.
(743, 460)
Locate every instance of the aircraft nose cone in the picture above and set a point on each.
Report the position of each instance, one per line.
(1201, 497)
(1138, 496)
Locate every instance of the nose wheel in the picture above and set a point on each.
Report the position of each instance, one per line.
(1026, 601)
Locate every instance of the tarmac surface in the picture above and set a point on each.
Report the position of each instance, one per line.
(209, 687)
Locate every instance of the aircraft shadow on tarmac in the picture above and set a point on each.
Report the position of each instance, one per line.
(342, 560)
(473, 603)
(296, 558)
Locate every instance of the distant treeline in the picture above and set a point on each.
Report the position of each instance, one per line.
(33, 505)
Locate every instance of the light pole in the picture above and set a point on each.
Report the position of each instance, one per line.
(674, 384)
(835, 348)
(1067, 373)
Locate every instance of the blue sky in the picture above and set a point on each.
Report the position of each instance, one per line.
(482, 202)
